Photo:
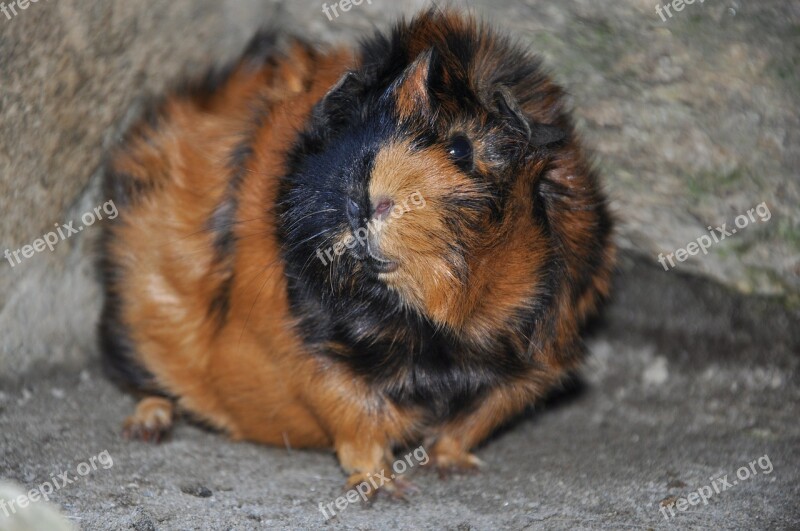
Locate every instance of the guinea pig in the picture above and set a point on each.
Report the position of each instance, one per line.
(355, 249)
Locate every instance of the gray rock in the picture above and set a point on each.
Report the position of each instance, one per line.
(692, 120)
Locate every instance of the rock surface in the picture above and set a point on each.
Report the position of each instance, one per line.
(694, 121)
(71, 72)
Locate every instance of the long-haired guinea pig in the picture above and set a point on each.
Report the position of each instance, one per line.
(360, 249)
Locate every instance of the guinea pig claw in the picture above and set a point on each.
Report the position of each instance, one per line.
(397, 489)
(466, 463)
(400, 489)
(151, 422)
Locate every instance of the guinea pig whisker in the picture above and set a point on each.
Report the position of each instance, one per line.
(312, 256)
(317, 235)
(297, 222)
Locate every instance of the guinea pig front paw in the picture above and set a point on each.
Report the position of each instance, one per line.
(151, 422)
(400, 488)
(368, 485)
(466, 463)
(449, 458)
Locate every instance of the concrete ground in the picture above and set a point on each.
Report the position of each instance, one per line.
(654, 417)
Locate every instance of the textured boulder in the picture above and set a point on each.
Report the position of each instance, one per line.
(694, 120)
(71, 72)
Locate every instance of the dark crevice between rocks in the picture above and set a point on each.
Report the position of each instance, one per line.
(696, 321)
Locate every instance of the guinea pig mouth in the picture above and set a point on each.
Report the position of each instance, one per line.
(367, 251)
(374, 259)
(380, 264)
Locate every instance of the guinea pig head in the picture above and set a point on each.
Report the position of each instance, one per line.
(419, 184)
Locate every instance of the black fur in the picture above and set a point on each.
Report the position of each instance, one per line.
(117, 349)
(344, 311)
(265, 48)
(222, 225)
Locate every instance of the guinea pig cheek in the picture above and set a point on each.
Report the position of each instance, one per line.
(414, 233)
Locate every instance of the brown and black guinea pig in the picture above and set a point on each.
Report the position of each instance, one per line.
(355, 249)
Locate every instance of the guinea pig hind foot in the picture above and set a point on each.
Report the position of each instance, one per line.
(151, 421)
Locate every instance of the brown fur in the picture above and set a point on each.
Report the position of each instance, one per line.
(286, 397)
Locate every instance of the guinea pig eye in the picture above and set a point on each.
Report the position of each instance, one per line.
(460, 151)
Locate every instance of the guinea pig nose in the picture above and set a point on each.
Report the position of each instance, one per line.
(353, 212)
(381, 207)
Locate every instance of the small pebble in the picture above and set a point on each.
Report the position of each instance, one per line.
(197, 490)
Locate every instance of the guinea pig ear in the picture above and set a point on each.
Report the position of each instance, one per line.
(332, 105)
(538, 135)
(411, 90)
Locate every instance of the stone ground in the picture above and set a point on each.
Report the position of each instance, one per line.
(654, 416)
